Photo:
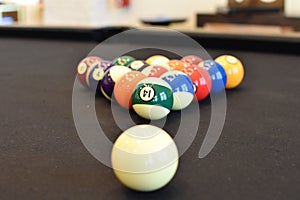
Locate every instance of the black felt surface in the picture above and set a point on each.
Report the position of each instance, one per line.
(42, 157)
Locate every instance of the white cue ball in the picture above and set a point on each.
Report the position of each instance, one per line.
(144, 158)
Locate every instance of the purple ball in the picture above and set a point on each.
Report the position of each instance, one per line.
(111, 76)
(96, 74)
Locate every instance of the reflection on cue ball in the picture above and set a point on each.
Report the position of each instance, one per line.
(144, 158)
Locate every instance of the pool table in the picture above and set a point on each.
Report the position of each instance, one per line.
(42, 156)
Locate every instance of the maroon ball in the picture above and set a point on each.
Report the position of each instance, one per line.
(83, 68)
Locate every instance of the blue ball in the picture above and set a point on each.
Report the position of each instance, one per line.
(217, 74)
(182, 87)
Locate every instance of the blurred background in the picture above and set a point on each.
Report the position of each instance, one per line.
(257, 15)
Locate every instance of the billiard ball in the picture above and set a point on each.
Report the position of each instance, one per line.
(138, 65)
(217, 74)
(155, 70)
(124, 87)
(234, 70)
(144, 158)
(123, 60)
(96, 73)
(201, 80)
(192, 59)
(83, 67)
(182, 86)
(157, 60)
(152, 98)
(111, 76)
(177, 64)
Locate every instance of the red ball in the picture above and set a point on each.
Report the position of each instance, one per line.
(83, 68)
(201, 80)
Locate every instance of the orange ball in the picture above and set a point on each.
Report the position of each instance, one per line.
(177, 65)
(234, 70)
(124, 88)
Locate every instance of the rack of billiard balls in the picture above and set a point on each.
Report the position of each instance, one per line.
(152, 88)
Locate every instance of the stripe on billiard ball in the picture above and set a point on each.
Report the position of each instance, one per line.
(152, 98)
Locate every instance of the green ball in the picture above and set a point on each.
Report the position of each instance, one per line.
(123, 60)
(152, 98)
